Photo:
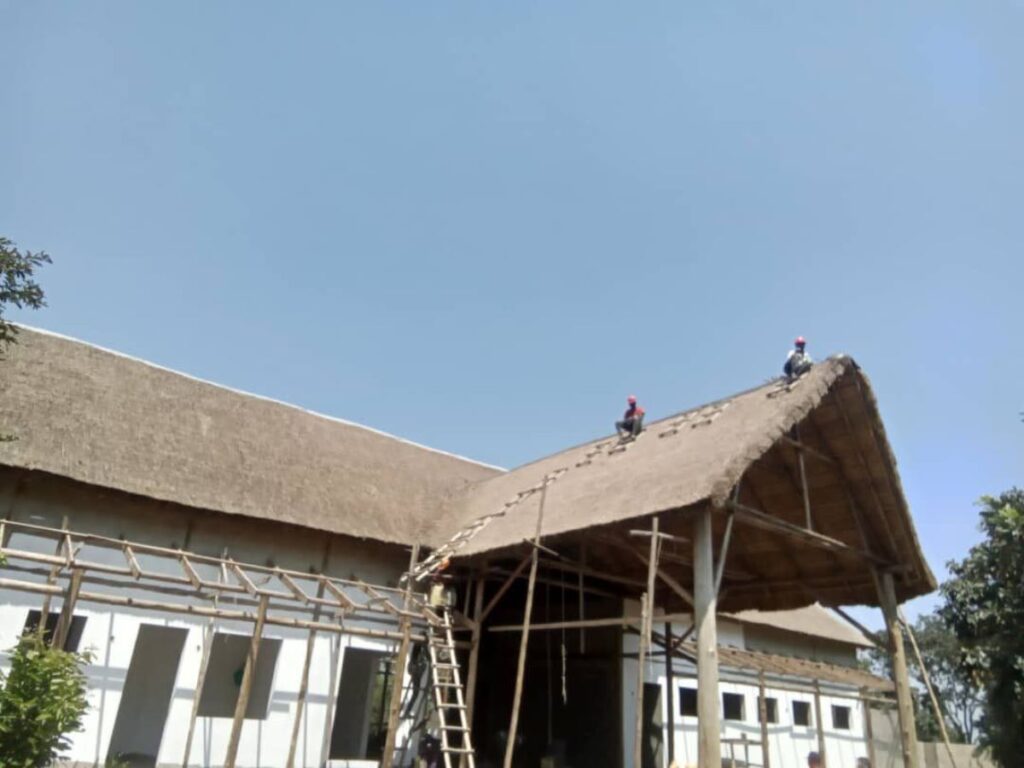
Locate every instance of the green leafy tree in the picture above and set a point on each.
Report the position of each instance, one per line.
(18, 287)
(959, 698)
(984, 607)
(42, 700)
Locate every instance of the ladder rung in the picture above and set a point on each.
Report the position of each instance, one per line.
(452, 705)
(454, 728)
(458, 750)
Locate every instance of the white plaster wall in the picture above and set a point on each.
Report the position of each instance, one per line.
(110, 633)
(789, 743)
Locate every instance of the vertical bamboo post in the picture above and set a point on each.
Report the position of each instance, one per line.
(908, 728)
(60, 633)
(869, 730)
(517, 695)
(931, 691)
(44, 613)
(204, 664)
(820, 722)
(248, 673)
(709, 745)
(474, 654)
(398, 678)
(646, 624)
(671, 700)
(762, 708)
(300, 704)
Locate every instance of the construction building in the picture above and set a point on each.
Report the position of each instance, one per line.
(253, 578)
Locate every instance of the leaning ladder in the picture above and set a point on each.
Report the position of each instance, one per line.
(452, 714)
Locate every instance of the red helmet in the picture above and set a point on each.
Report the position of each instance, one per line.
(631, 399)
(800, 341)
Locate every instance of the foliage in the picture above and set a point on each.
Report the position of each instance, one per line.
(18, 287)
(959, 698)
(984, 608)
(42, 699)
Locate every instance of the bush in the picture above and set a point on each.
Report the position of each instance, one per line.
(42, 699)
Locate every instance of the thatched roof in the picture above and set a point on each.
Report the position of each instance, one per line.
(697, 457)
(109, 420)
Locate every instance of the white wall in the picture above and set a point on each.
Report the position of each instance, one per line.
(789, 744)
(111, 633)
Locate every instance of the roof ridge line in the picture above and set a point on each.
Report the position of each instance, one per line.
(253, 395)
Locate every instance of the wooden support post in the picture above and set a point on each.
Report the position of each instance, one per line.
(671, 693)
(60, 633)
(398, 676)
(52, 578)
(762, 711)
(646, 625)
(204, 662)
(248, 673)
(517, 695)
(709, 745)
(908, 728)
(819, 721)
(300, 704)
(474, 647)
(931, 691)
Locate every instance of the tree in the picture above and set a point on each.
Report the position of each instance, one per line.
(959, 698)
(984, 607)
(42, 699)
(18, 287)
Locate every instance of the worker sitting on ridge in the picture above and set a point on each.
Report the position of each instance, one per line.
(798, 362)
(632, 423)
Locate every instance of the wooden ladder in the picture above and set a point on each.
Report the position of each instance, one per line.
(453, 723)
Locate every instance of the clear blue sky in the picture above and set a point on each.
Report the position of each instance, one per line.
(479, 225)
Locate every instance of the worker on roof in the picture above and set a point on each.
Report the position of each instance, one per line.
(632, 423)
(798, 362)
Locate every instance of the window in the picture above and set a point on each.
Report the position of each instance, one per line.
(688, 702)
(840, 718)
(801, 713)
(224, 676)
(771, 709)
(732, 706)
(74, 633)
(361, 713)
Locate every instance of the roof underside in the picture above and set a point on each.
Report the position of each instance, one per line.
(688, 462)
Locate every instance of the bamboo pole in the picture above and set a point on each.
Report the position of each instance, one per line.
(908, 729)
(671, 700)
(245, 689)
(204, 664)
(199, 610)
(300, 704)
(762, 708)
(509, 581)
(60, 633)
(52, 579)
(819, 721)
(931, 691)
(709, 747)
(647, 616)
(517, 696)
(398, 678)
